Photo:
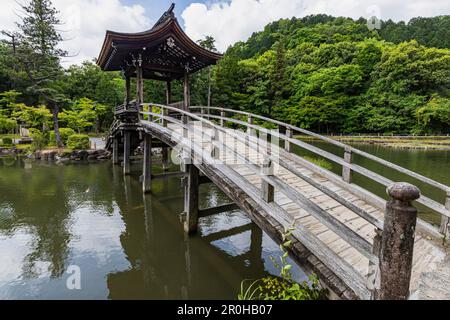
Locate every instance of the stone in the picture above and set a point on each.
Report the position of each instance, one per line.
(404, 192)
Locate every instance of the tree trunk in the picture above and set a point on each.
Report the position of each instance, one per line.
(59, 141)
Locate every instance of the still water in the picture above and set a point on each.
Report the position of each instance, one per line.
(126, 246)
(434, 164)
(132, 247)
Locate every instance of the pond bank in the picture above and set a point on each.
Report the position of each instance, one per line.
(403, 142)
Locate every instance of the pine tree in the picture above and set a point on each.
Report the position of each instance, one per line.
(40, 56)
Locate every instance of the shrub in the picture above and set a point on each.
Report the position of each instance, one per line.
(78, 142)
(283, 287)
(40, 140)
(65, 134)
(7, 141)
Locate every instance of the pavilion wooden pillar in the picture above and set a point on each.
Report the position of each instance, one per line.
(166, 150)
(187, 101)
(127, 90)
(187, 92)
(139, 84)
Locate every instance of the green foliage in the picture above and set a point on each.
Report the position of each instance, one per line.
(40, 139)
(78, 142)
(6, 124)
(320, 162)
(435, 114)
(34, 117)
(282, 287)
(333, 75)
(65, 134)
(83, 114)
(7, 141)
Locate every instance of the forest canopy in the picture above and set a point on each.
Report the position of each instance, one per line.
(326, 74)
(334, 75)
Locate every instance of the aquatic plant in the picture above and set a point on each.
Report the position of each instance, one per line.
(282, 287)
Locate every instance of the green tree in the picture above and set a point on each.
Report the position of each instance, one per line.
(39, 55)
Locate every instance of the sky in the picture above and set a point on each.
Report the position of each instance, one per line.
(228, 21)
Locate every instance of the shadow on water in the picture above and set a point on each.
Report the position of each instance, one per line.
(127, 246)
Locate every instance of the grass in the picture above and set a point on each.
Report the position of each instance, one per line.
(319, 162)
(408, 142)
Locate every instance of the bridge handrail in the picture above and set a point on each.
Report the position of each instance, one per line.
(443, 210)
(338, 144)
(431, 204)
(337, 226)
(336, 262)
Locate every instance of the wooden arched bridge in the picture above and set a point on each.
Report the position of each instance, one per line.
(360, 245)
(340, 229)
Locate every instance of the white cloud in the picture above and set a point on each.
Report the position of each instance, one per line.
(235, 20)
(85, 23)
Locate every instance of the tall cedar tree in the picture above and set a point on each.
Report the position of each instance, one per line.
(40, 57)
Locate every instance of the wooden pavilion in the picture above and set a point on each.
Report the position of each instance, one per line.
(162, 53)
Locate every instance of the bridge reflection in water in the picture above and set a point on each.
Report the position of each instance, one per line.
(167, 264)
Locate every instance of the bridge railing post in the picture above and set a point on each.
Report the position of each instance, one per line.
(397, 243)
(215, 152)
(267, 190)
(164, 113)
(346, 171)
(250, 123)
(287, 143)
(222, 120)
(445, 222)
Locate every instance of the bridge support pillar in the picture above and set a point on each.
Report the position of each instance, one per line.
(126, 153)
(165, 158)
(397, 244)
(115, 155)
(147, 166)
(191, 193)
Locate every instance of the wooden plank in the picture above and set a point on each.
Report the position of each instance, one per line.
(325, 218)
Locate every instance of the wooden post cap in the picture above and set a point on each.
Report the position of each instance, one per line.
(404, 192)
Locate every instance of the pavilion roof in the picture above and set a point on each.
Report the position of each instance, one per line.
(165, 51)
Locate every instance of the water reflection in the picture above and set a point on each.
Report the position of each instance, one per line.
(128, 246)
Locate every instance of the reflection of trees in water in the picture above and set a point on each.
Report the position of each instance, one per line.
(41, 200)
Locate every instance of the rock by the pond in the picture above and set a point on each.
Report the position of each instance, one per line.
(62, 157)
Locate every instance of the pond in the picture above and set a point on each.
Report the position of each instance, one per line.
(125, 245)
(128, 246)
(434, 164)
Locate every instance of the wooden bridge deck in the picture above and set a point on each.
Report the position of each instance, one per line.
(428, 255)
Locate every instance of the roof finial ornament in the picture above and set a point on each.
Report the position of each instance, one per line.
(169, 14)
